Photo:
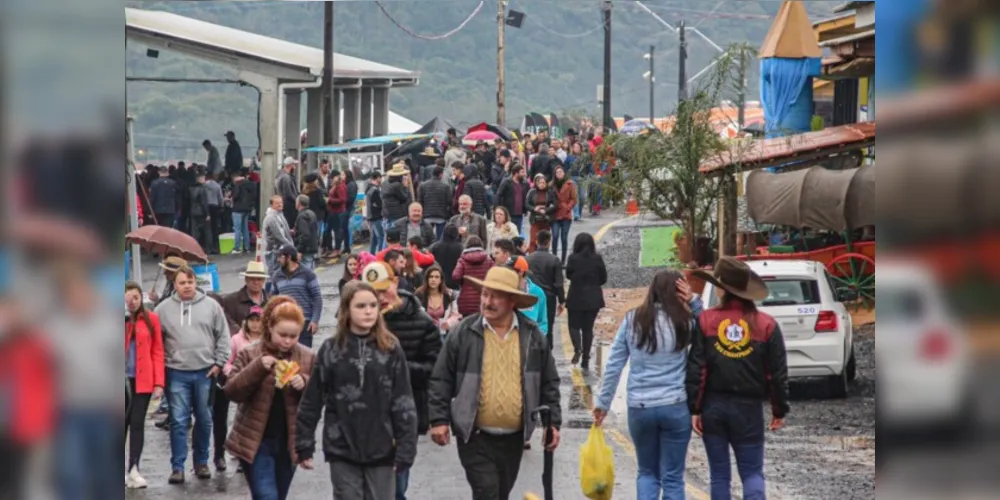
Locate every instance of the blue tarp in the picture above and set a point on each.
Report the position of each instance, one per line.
(786, 94)
(366, 142)
(897, 48)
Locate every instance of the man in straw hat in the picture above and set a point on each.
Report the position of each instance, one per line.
(237, 305)
(396, 194)
(737, 361)
(495, 371)
(170, 266)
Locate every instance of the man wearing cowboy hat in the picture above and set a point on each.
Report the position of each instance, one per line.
(170, 266)
(396, 196)
(736, 362)
(237, 305)
(495, 371)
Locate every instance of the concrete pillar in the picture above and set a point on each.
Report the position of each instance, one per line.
(336, 107)
(293, 123)
(366, 112)
(269, 102)
(314, 124)
(352, 114)
(380, 115)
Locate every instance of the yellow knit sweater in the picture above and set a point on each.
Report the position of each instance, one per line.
(501, 406)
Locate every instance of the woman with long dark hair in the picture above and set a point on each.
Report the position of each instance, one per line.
(737, 362)
(654, 339)
(362, 384)
(587, 273)
(144, 367)
(436, 297)
(267, 381)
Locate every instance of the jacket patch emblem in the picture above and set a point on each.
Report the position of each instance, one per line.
(734, 339)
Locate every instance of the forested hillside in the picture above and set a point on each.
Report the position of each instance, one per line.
(554, 62)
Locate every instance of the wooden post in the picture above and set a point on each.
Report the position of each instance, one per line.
(501, 73)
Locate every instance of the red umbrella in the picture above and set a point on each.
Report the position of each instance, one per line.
(472, 138)
(164, 240)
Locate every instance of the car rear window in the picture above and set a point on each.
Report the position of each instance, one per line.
(786, 292)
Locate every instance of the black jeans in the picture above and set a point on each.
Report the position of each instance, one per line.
(165, 220)
(491, 464)
(201, 231)
(333, 223)
(550, 306)
(215, 228)
(581, 331)
(220, 421)
(136, 423)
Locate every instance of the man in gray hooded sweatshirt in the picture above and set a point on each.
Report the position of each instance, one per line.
(196, 346)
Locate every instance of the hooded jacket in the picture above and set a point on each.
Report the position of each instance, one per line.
(195, 333)
(370, 418)
(474, 263)
(421, 342)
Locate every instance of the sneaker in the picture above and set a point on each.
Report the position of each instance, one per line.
(134, 481)
(177, 477)
(220, 465)
(236, 252)
(576, 359)
(202, 472)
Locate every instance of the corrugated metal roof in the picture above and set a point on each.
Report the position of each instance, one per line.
(849, 38)
(270, 49)
(769, 152)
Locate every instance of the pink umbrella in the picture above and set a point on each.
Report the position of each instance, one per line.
(472, 138)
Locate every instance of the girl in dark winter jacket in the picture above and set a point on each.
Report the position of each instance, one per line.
(541, 200)
(362, 384)
(474, 263)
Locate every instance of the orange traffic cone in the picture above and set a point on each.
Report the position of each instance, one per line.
(631, 206)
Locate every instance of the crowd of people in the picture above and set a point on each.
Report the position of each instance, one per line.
(445, 327)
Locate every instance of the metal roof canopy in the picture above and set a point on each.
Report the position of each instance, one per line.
(257, 53)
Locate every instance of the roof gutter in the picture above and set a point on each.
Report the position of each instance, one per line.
(282, 87)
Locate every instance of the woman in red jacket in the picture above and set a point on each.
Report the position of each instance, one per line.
(145, 371)
(474, 263)
(336, 205)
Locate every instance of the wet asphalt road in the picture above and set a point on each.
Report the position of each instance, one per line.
(437, 473)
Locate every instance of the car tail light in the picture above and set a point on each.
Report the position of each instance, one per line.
(935, 346)
(826, 322)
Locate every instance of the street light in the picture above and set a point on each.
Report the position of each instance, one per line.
(651, 76)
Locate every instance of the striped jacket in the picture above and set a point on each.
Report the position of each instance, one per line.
(302, 286)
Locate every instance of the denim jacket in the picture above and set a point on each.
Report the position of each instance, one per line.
(654, 379)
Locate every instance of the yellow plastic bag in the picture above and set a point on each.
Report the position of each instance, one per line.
(597, 466)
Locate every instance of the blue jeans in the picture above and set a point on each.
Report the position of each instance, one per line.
(345, 226)
(560, 231)
(270, 475)
(402, 483)
(241, 231)
(661, 435)
(737, 424)
(439, 230)
(189, 392)
(309, 261)
(335, 222)
(377, 228)
(596, 194)
(306, 338)
(88, 457)
(578, 209)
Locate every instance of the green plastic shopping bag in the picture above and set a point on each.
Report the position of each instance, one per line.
(597, 466)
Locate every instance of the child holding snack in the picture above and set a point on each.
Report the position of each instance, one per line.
(266, 380)
(371, 421)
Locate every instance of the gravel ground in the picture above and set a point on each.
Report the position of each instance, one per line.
(827, 449)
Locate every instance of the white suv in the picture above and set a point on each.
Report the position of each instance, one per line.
(818, 331)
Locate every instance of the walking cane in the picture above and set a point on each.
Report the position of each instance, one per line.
(545, 418)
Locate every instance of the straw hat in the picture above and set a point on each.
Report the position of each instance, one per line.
(431, 152)
(505, 280)
(398, 170)
(172, 264)
(735, 277)
(255, 270)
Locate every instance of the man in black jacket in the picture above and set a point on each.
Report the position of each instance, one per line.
(475, 188)
(542, 164)
(163, 198)
(200, 215)
(418, 336)
(512, 194)
(436, 196)
(373, 205)
(306, 232)
(396, 195)
(244, 203)
(548, 273)
(234, 154)
(415, 225)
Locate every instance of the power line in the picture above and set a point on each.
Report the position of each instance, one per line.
(545, 28)
(431, 37)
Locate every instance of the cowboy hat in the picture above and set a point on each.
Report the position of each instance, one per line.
(255, 270)
(735, 277)
(398, 170)
(430, 151)
(173, 263)
(505, 280)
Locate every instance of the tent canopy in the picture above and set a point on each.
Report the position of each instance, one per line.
(816, 197)
(437, 125)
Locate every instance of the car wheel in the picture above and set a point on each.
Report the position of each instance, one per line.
(852, 367)
(838, 385)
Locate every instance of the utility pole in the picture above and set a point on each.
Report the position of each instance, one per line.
(682, 76)
(608, 122)
(329, 114)
(741, 95)
(501, 84)
(652, 82)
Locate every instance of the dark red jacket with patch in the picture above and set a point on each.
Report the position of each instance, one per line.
(739, 354)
